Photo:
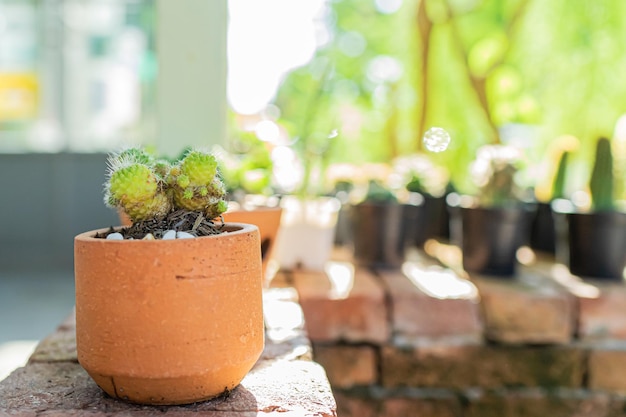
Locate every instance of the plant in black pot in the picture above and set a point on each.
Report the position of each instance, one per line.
(491, 226)
(379, 226)
(596, 235)
(420, 175)
(543, 231)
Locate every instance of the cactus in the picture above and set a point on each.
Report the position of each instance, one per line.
(494, 172)
(377, 193)
(196, 185)
(138, 191)
(601, 182)
(415, 185)
(146, 188)
(558, 185)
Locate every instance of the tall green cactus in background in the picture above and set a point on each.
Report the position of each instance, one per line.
(558, 185)
(602, 181)
(146, 188)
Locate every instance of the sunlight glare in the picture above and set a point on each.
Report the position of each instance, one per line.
(267, 131)
(341, 277)
(388, 6)
(439, 283)
(574, 284)
(266, 40)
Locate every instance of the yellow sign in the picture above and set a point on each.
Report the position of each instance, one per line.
(19, 96)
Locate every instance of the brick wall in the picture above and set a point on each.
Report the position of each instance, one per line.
(426, 341)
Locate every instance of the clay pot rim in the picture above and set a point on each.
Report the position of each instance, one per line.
(233, 229)
(253, 209)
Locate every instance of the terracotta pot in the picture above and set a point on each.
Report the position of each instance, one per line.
(124, 219)
(267, 219)
(169, 321)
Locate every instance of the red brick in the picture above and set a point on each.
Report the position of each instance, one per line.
(58, 346)
(353, 311)
(418, 403)
(432, 302)
(347, 366)
(607, 367)
(603, 316)
(293, 388)
(527, 309)
(541, 403)
(422, 407)
(464, 366)
(352, 406)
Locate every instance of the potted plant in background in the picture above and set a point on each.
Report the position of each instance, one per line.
(168, 310)
(307, 230)
(246, 166)
(264, 212)
(381, 224)
(491, 226)
(418, 174)
(596, 234)
(543, 231)
(247, 175)
(551, 182)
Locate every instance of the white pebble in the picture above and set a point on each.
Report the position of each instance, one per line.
(169, 235)
(184, 235)
(115, 236)
(148, 236)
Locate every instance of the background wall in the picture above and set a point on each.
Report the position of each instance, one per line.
(46, 200)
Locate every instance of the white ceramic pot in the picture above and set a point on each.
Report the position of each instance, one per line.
(307, 232)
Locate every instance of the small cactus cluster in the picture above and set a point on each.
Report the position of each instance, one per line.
(601, 183)
(418, 174)
(494, 172)
(146, 188)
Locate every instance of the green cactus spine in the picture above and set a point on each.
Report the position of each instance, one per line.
(558, 185)
(602, 182)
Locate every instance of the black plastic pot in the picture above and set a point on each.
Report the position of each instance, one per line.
(596, 244)
(542, 234)
(432, 221)
(380, 232)
(490, 237)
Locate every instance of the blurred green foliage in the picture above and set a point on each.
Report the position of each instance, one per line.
(469, 66)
